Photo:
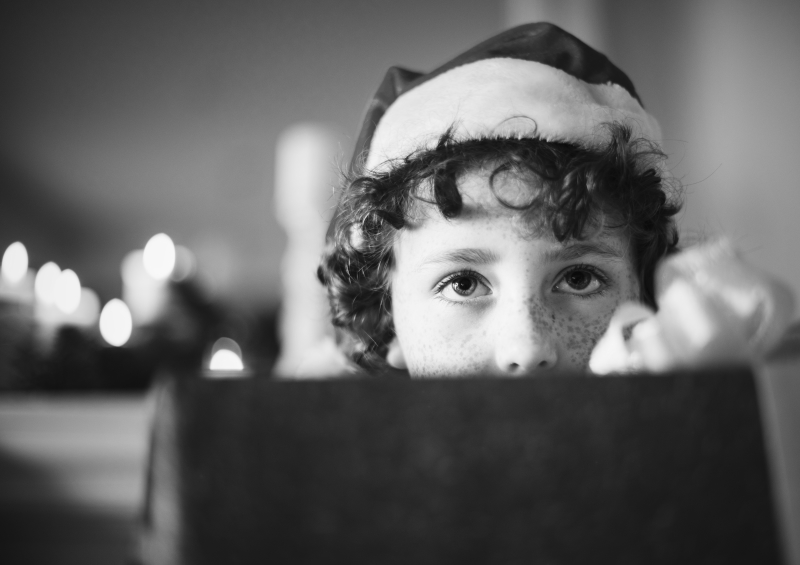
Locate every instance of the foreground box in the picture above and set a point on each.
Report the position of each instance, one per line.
(668, 469)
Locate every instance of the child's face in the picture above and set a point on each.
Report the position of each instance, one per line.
(480, 295)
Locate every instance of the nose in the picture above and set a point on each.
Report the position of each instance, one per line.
(525, 342)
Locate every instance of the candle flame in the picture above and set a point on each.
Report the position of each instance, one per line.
(226, 360)
(116, 323)
(15, 263)
(68, 291)
(159, 256)
(46, 283)
(226, 356)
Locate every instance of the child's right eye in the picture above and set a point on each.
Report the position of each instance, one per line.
(462, 286)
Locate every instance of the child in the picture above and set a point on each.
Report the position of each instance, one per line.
(498, 211)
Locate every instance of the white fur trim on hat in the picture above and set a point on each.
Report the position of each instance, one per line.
(505, 97)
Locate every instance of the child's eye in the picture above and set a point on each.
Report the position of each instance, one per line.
(461, 286)
(581, 280)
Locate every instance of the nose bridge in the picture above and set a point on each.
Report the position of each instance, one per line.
(525, 340)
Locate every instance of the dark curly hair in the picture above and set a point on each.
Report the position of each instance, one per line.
(574, 188)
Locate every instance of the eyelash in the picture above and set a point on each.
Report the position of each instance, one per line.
(601, 277)
(441, 285)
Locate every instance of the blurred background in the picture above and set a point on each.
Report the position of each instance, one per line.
(204, 121)
(124, 120)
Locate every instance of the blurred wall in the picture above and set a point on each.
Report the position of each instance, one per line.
(120, 120)
(722, 76)
(124, 119)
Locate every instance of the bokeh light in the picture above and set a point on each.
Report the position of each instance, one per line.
(226, 360)
(116, 323)
(46, 283)
(15, 263)
(88, 311)
(159, 256)
(68, 291)
(185, 264)
(226, 355)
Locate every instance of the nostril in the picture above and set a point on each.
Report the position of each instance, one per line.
(524, 356)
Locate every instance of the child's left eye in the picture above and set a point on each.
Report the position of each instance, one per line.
(581, 280)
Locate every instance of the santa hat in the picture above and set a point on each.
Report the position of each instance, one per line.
(534, 80)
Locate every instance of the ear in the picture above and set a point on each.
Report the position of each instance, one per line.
(395, 356)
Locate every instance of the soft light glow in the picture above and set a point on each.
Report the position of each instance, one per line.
(88, 312)
(145, 296)
(185, 264)
(226, 355)
(116, 323)
(15, 263)
(68, 291)
(159, 256)
(46, 283)
(226, 360)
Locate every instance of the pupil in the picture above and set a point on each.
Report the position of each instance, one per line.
(463, 285)
(579, 279)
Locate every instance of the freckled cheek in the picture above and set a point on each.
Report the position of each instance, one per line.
(435, 345)
(467, 354)
(578, 334)
(581, 337)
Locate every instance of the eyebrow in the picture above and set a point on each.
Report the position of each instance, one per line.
(581, 249)
(467, 255)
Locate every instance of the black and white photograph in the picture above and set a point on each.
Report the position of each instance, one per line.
(390, 282)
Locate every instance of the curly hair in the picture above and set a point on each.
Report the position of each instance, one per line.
(574, 188)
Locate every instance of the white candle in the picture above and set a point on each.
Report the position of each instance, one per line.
(303, 206)
(145, 294)
(62, 301)
(47, 313)
(16, 314)
(145, 278)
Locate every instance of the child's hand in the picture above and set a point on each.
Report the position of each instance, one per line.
(713, 308)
